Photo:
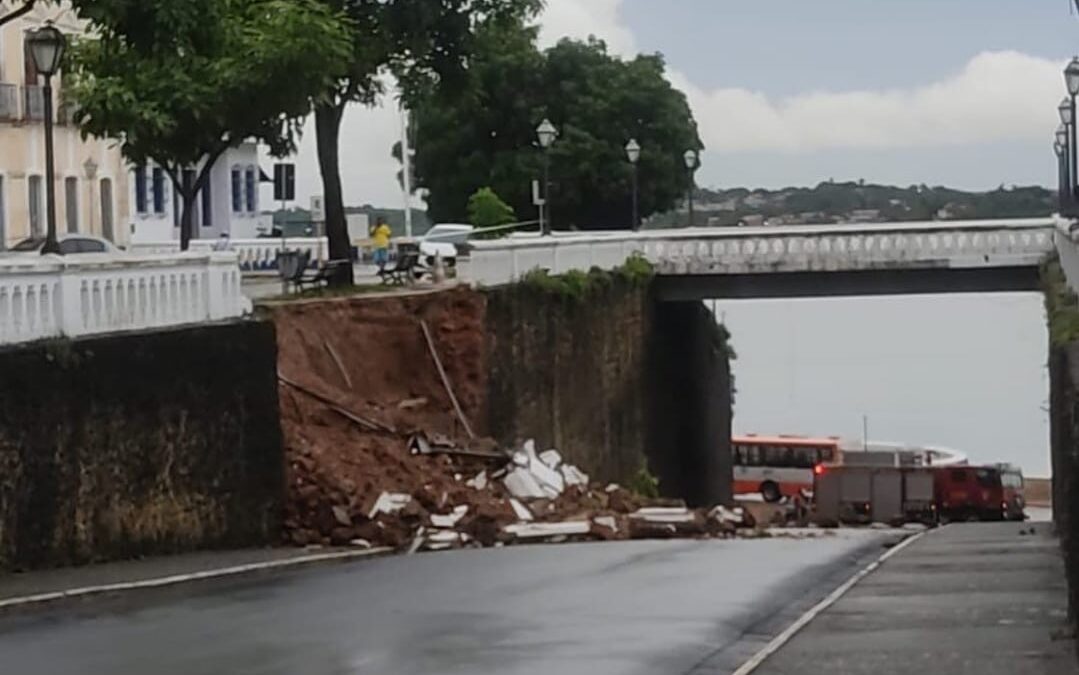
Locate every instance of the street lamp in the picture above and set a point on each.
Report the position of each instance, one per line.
(547, 135)
(693, 161)
(47, 46)
(1071, 80)
(633, 153)
(1058, 148)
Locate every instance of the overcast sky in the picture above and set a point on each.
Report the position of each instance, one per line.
(789, 92)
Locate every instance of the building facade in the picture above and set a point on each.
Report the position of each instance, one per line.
(228, 204)
(90, 177)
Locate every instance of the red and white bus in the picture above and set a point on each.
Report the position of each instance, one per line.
(779, 466)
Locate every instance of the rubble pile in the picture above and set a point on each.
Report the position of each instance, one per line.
(482, 497)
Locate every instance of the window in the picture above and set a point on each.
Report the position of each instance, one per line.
(71, 203)
(237, 190)
(959, 476)
(251, 189)
(140, 189)
(207, 218)
(35, 206)
(106, 209)
(3, 217)
(987, 478)
(159, 190)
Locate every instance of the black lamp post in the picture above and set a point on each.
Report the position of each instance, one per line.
(1071, 79)
(633, 153)
(693, 161)
(547, 135)
(1061, 184)
(47, 46)
(1062, 136)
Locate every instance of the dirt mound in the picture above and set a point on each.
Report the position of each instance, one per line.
(359, 380)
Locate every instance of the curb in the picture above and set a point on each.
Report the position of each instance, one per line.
(783, 638)
(190, 577)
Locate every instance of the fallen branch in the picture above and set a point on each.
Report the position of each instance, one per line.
(446, 380)
(337, 361)
(364, 422)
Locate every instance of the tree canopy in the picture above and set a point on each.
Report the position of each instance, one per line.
(181, 82)
(423, 44)
(486, 209)
(483, 133)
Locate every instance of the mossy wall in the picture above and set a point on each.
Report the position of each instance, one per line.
(144, 443)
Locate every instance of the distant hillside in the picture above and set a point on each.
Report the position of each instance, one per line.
(852, 202)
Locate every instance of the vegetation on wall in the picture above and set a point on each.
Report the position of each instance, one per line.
(577, 285)
(1061, 303)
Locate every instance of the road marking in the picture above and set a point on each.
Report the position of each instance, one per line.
(804, 620)
(203, 575)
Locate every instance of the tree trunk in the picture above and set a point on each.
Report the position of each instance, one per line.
(328, 133)
(186, 221)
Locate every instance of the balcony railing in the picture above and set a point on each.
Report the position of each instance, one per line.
(34, 103)
(9, 102)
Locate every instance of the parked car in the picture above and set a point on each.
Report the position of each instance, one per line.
(444, 240)
(70, 244)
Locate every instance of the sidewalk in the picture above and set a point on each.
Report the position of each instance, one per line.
(982, 599)
(22, 590)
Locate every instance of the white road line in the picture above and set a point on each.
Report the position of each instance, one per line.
(175, 579)
(804, 620)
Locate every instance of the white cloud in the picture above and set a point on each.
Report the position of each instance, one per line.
(996, 96)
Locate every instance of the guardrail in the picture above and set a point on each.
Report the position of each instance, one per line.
(53, 296)
(702, 251)
(255, 255)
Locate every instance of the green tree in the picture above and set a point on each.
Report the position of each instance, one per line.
(181, 82)
(484, 133)
(486, 209)
(424, 44)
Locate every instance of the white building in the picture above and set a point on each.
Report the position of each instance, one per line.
(90, 178)
(228, 204)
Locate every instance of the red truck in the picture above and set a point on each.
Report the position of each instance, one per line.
(970, 493)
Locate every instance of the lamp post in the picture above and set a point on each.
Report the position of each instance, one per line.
(47, 46)
(633, 153)
(1062, 137)
(1061, 184)
(1071, 79)
(547, 135)
(692, 163)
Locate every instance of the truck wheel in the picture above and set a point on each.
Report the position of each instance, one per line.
(770, 492)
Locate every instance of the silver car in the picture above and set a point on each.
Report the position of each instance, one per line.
(70, 244)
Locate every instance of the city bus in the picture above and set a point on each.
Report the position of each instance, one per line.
(779, 466)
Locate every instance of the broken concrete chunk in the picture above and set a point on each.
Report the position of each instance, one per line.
(613, 487)
(523, 485)
(340, 514)
(479, 482)
(663, 515)
(725, 515)
(574, 476)
(545, 530)
(451, 520)
(389, 503)
(551, 458)
(608, 522)
(521, 459)
(412, 403)
(553, 483)
(360, 543)
(523, 514)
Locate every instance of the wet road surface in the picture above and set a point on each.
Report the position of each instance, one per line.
(598, 609)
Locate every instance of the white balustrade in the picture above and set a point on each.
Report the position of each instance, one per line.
(255, 255)
(53, 296)
(763, 250)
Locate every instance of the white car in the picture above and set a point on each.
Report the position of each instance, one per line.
(443, 240)
(70, 244)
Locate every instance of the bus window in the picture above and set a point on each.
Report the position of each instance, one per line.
(959, 476)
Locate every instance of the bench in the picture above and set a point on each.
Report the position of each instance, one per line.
(327, 272)
(405, 270)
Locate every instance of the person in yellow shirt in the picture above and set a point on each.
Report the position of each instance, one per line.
(381, 234)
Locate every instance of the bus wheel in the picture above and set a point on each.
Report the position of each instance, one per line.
(770, 492)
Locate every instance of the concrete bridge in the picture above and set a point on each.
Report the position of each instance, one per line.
(798, 261)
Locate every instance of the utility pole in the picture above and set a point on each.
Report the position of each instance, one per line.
(406, 172)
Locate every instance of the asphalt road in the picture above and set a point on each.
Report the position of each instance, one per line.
(977, 599)
(643, 608)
